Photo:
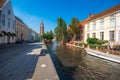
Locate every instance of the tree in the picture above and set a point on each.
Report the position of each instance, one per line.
(73, 28)
(48, 36)
(61, 30)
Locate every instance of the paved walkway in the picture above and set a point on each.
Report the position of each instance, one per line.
(12, 50)
(26, 62)
(22, 63)
(45, 69)
(106, 56)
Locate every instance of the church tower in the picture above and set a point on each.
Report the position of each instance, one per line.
(41, 28)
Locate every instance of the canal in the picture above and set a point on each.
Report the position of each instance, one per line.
(75, 64)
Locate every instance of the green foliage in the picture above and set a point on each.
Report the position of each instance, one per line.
(93, 46)
(48, 35)
(70, 34)
(85, 44)
(102, 47)
(61, 30)
(76, 44)
(81, 44)
(92, 40)
(96, 41)
(100, 42)
(43, 36)
(73, 28)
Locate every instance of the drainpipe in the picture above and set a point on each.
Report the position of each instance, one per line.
(115, 29)
(0, 18)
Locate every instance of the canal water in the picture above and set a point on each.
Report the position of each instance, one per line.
(75, 64)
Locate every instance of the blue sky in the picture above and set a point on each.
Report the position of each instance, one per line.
(32, 11)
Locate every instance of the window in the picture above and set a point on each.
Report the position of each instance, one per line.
(88, 27)
(111, 35)
(88, 35)
(118, 12)
(13, 26)
(102, 35)
(94, 25)
(8, 23)
(94, 35)
(101, 23)
(3, 20)
(112, 21)
(9, 12)
(81, 32)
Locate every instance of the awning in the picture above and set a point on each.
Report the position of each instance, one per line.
(14, 34)
(4, 33)
(1, 35)
(10, 34)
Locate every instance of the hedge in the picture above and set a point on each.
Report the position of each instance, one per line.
(102, 47)
(76, 44)
(81, 44)
(96, 41)
(93, 46)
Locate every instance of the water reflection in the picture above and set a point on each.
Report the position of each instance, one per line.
(74, 64)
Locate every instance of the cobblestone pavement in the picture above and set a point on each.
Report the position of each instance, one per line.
(21, 63)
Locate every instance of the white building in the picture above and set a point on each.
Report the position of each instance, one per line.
(104, 26)
(33, 36)
(7, 22)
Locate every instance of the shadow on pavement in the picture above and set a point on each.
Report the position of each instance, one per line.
(19, 65)
(44, 52)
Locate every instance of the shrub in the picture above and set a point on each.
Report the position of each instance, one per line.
(102, 47)
(92, 40)
(93, 46)
(85, 45)
(81, 44)
(76, 44)
(100, 42)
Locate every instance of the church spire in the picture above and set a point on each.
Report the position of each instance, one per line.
(41, 27)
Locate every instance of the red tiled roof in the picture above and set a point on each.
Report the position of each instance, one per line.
(113, 9)
(82, 23)
(2, 3)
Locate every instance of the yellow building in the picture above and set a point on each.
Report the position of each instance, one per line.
(22, 31)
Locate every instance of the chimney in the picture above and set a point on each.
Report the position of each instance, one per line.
(90, 15)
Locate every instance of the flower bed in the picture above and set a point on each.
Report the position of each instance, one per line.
(114, 52)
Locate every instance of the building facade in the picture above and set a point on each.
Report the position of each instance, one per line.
(41, 28)
(7, 22)
(22, 30)
(81, 28)
(33, 36)
(104, 26)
